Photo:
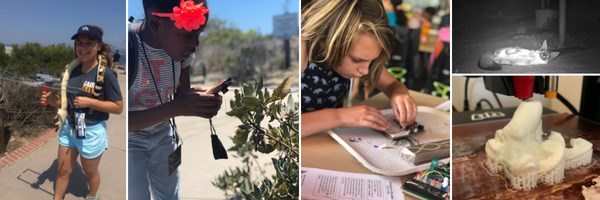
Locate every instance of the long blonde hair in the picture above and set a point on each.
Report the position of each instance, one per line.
(330, 27)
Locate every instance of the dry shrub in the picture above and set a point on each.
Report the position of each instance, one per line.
(24, 115)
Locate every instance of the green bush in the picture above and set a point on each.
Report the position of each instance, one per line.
(280, 136)
(25, 116)
(31, 58)
(242, 56)
(4, 58)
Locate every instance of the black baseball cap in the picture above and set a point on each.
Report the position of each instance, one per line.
(91, 31)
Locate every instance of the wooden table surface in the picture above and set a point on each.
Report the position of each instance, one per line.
(470, 179)
(322, 151)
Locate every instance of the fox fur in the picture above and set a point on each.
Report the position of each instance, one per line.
(516, 56)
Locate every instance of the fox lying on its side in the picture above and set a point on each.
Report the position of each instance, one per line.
(516, 56)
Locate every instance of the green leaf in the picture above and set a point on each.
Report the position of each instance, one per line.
(283, 186)
(251, 102)
(285, 133)
(266, 149)
(256, 193)
(259, 85)
(259, 117)
(241, 136)
(234, 148)
(238, 98)
(251, 86)
(238, 112)
(247, 90)
(267, 94)
(282, 90)
(232, 104)
(260, 95)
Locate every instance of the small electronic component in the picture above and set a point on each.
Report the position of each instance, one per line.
(432, 183)
(398, 131)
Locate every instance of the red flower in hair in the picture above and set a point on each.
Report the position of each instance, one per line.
(187, 16)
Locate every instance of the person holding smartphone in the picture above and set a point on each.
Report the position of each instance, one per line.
(161, 91)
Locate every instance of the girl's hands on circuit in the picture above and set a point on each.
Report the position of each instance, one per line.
(363, 116)
(405, 109)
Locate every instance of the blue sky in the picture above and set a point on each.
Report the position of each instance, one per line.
(48, 22)
(244, 14)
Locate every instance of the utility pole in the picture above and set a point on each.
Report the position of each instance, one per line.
(562, 23)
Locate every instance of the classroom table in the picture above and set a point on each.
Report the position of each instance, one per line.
(322, 151)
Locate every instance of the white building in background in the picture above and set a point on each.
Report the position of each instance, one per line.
(8, 50)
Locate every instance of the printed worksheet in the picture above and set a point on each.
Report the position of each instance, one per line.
(326, 184)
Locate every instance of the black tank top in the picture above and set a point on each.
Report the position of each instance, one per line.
(322, 88)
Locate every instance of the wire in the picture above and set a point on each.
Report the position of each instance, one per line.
(567, 104)
(466, 100)
(479, 103)
(498, 100)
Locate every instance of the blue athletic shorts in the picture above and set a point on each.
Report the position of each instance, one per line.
(94, 144)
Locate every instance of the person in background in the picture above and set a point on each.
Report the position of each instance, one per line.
(389, 11)
(116, 58)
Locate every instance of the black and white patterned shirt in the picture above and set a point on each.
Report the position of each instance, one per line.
(322, 88)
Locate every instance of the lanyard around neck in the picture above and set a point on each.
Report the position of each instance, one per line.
(171, 97)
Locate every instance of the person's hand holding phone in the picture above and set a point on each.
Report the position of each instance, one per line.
(221, 87)
(200, 102)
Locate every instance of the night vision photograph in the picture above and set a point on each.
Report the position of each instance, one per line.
(526, 36)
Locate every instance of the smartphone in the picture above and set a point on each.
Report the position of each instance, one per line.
(223, 87)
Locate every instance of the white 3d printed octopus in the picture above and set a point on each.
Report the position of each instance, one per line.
(526, 158)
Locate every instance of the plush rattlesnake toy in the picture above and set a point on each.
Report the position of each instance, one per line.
(61, 114)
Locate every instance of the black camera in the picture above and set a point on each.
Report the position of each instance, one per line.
(223, 87)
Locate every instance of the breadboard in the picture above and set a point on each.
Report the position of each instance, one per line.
(365, 143)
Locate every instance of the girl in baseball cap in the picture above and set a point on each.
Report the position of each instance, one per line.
(83, 133)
